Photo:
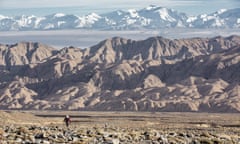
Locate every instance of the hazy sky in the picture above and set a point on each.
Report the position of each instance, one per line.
(191, 7)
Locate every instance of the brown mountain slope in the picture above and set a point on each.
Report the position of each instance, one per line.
(155, 74)
(158, 48)
(24, 53)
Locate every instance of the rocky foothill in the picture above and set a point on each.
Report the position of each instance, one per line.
(156, 74)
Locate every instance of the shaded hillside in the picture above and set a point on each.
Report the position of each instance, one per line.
(156, 74)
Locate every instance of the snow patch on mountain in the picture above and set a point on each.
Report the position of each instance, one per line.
(164, 14)
(88, 20)
(38, 22)
(59, 15)
(93, 17)
(151, 7)
(191, 19)
(238, 21)
(49, 26)
(221, 11)
(2, 17)
(133, 13)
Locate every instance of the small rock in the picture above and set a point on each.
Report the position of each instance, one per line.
(38, 141)
(115, 141)
(18, 140)
(205, 134)
(39, 136)
(75, 139)
(163, 139)
(45, 142)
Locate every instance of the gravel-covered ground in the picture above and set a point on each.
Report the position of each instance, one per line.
(119, 128)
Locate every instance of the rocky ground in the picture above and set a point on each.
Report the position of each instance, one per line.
(119, 128)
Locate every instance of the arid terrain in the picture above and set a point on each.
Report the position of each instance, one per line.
(118, 74)
(119, 127)
(158, 75)
(124, 72)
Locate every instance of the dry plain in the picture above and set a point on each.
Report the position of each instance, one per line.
(119, 127)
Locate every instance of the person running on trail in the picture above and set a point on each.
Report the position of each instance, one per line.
(67, 120)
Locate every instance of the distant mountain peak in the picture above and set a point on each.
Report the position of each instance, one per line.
(2, 17)
(151, 17)
(152, 7)
(221, 11)
(59, 15)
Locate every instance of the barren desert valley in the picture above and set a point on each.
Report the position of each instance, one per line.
(119, 128)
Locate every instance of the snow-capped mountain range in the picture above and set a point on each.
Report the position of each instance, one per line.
(151, 17)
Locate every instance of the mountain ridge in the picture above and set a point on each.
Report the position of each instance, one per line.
(118, 74)
(151, 17)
